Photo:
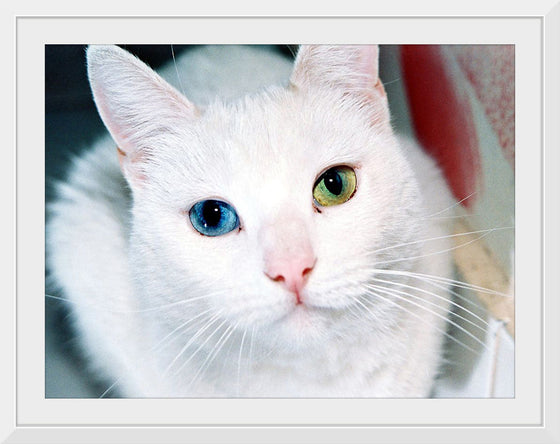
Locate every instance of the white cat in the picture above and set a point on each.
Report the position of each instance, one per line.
(260, 246)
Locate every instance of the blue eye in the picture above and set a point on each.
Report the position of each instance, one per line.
(213, 217)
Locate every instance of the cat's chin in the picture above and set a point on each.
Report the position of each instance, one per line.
(302, 326)
(301, 317)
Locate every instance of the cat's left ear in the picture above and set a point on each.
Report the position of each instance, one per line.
(138, 107)
(352, 69)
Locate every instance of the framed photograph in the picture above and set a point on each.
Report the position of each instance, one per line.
(475, 90)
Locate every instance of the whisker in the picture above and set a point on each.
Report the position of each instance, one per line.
(212, 320)
(180, 327)
(214, 353)
(58, 298)
(354, 312)
(445, 333)
(251, 344)
(448, 236)
(144, 310)
(390, 82)
(434, 278)
(474, 324)
(451, 206)
(110, 388)
(239, 361)
(209, 358)
(200, 347)
(177, 70)
(375, 316)
(173, 304)
(445, 318)
(455, 294)
(155, 348)
(457, 216)
(486, 233)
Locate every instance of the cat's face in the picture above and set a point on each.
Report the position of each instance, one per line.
(269, 211)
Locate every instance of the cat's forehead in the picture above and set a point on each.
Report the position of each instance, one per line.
(274, 145)
(283, 129)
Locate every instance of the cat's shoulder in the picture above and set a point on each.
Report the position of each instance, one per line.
(95, 174)
(432, 184)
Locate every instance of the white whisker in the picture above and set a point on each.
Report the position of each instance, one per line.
(423, 320)
(214, 352)
(200, 347)
(177, 71)
(144, 310)
(445, 318)
(421, 256)
(212, 320)
(110, 388)
(462, 298)
(180, 327)
(444, 310)
(239, 361)
(449, 236)
(435, 295)
(429, 277)
(376, 317)
(251, 344)
(451, 206)
(457, 216)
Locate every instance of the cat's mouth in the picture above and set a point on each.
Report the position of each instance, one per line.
(297, 311)
(305, 315)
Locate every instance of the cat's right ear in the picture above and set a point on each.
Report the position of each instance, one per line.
(351, 69)
(136, 105)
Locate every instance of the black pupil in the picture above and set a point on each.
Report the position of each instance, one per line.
(333, 182)
(211, 213)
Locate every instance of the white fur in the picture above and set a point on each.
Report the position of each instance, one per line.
(130, 261)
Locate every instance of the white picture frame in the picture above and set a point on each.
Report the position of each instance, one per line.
(532, 416)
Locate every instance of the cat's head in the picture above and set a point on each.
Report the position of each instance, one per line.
(266, 212)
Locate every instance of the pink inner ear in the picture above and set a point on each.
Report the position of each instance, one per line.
(369, 62)
(349, 67)
(134, 176)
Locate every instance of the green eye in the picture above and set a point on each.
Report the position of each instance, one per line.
(335, 186)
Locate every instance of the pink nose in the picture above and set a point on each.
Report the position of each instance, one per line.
(292, 273)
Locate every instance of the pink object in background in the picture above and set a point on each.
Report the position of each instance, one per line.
(441, 83)
(442, 117)
(490, 70)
